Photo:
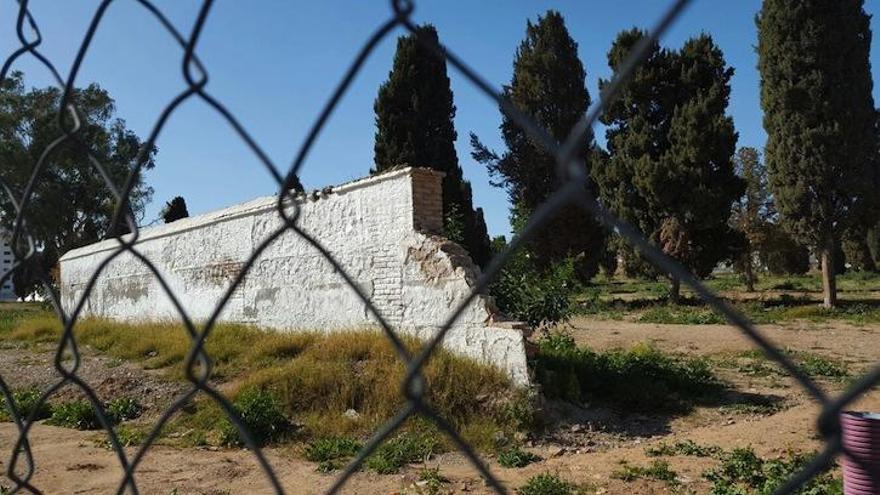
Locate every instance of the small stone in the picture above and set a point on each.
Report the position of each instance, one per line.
(352, 414)
(576, 428)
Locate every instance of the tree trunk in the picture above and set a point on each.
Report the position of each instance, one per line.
(675, 290)
(829, 284)
(749, 274)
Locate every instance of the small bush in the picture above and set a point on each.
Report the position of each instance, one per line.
(640, 378)
(329, 449)
(401, 450)
(539, 298)
(124, 409)
(261, 413)
(26, 402)
(546, 484)
(78, 414)
(516, 458)
(657, 470)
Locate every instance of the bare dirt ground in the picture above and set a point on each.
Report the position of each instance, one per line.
(586, 446)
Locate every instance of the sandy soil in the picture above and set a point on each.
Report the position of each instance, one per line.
(585, 447)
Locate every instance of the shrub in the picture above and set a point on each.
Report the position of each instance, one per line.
(640, 378)
(546, 484)
(26, 402)
(401, 450)
(539, 298)
(78, 414)
(260, 412)
(516, 458)
(123, 409)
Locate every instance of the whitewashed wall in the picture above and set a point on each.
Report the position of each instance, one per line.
(382, 229)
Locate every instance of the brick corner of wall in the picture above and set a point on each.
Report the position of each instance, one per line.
(427, 200)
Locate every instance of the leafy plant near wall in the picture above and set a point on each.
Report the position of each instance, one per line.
(539, 298)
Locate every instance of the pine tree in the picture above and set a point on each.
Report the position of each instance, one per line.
(670, 143)
(819, 117)
(414, 127)
(548, 84)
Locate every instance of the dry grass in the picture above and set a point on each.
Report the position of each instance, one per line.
(317, 377)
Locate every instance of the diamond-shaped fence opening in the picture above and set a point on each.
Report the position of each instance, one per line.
(21, 464)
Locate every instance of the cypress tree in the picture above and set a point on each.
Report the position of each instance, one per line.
(548, 84)
(174, 210)
(670, 169)
(414, 127)
(819, 117)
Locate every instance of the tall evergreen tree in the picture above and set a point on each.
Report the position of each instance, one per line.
(414, 127)
(819, 117)
(670, 170)
(548, 84)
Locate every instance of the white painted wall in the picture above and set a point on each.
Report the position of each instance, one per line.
(379, 229)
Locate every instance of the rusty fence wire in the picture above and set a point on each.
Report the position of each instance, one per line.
(21, 466)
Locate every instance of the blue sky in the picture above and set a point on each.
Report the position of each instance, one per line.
(274, 63)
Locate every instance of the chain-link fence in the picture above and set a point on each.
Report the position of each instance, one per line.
(21, 466)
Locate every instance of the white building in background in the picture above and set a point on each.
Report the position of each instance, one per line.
(6, 291)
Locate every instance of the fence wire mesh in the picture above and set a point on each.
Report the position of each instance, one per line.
(21, 466)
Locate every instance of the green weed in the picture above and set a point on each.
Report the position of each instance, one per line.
(260, 412)
(547, 484)
(515, 457)
(26, 402)
(78, 414)
(657, 470)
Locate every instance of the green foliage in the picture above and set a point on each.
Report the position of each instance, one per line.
(261, 413)
(77, 414)
(687, 447)
(403, 449)
(546, 484)
(548, 83)
(332, 448)
(657, 470)
(742, 472)
(669, 170)
(812, 101)
(539, 298)
(26, 402)
(72, 205)
(515, 457)
(781, 254)
(415, 127)
(123, 409)
(641, 378)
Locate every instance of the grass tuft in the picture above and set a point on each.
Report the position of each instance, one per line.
(742, 471)
(261, 413)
